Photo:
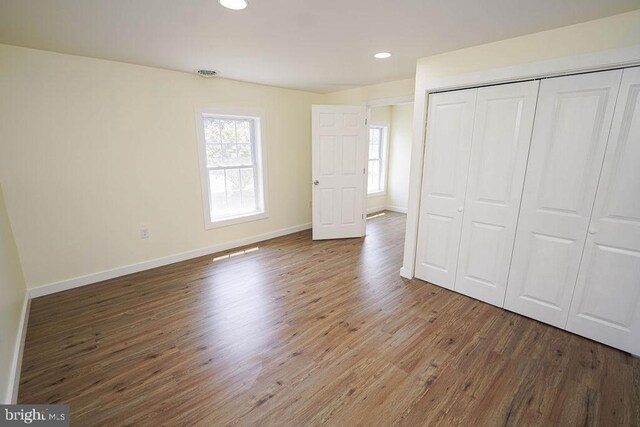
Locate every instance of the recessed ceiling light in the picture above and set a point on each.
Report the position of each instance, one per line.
(233, 4)
(382, 55)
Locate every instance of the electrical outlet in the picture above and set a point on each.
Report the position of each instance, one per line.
(144, 233)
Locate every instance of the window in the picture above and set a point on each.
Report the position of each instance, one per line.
(377, 160)
(233, 181)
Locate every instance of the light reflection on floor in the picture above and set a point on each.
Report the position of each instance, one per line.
(240, 310)
(376, 215)
(234, 254)
(374, 254)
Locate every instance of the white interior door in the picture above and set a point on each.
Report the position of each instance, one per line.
(501, 136)
(606, 301)
(339, 153)
(572, 124)
(446, 164)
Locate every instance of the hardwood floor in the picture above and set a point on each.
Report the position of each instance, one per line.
(304, 333)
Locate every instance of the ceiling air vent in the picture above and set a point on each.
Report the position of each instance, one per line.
(207, 73)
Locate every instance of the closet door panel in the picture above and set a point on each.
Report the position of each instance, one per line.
(572, 123)
(606, 301)
(448, 143)
(501, 137)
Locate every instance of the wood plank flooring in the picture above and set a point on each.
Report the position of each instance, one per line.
(299, 332)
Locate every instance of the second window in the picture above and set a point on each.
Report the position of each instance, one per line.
(377, 160)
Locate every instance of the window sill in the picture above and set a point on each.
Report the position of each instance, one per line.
(377, 194)
(236, 220)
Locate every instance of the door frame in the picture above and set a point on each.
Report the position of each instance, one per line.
(575, 64)
(375, 103)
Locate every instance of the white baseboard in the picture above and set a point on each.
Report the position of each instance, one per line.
(387, 208)
(158, 262)
(376, 209)
(16, 363)
(406, 273)
(396, 209)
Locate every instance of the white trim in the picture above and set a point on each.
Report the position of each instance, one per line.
(386, 208)
(375, 209)
(598, 61)
(158, 262)
(396, 209)
(239, 219)
(16, 363)
(257, 115)
(396, 100)
(589, 62)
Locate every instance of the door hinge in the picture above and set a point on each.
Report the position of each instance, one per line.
(362, 216)
(364, 171)
(366, 122)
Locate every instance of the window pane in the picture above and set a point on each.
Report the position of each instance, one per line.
(248, 190)
(232, 191)
(234, 195)
(244, 154)
(228, 142)
(218, 197)
(214, 155)
(228, 131)
(374, 143)
(243, 131)
(374, 150)
(374, 135)
(229, 155)
(211, 130)
(373, 184)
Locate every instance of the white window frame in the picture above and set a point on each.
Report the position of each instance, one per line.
(384, 146)
(260, 175)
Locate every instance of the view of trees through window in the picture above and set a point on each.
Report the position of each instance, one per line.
(231, 163)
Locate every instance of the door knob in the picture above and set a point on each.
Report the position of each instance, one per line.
(316, 182)
(460, 208)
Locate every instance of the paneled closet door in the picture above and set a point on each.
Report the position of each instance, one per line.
(572, 124)
(446, 164)
(501, 136)
(606, 301)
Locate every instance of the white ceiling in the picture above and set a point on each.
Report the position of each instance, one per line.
(321, 45)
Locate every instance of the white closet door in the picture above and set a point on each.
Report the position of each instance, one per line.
(448, 143)
(572, 124)
(606, 302)
(501, 136)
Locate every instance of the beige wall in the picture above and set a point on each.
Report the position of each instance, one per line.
(12, 296)
(593, 36)
(397, 118)
(613, 32)
(93, 150)
(399, 157)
